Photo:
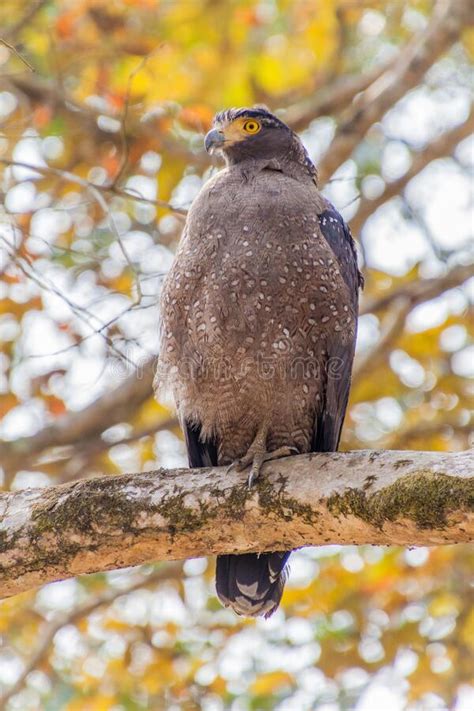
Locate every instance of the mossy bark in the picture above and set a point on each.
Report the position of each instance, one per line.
(403, 498)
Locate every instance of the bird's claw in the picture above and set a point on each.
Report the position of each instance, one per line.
(238, 464)
(256, 459)
(255, 469)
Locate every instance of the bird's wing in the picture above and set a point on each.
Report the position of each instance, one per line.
(330, 417)
(338, 235)
(200, 454)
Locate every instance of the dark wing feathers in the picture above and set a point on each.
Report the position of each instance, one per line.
(338, 235)
(200, 454)
(328, 424)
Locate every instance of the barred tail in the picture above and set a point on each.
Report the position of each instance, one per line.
(251, 584)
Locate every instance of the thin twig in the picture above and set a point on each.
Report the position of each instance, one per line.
(125, 143)
(129, 193)
(14, 50)
(82, 313)
(419, 291)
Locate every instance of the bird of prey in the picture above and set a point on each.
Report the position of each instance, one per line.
(259, 319)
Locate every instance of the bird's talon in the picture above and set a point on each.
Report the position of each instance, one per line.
(255, 457)
(239, 465)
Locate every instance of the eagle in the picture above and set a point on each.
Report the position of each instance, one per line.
(258, 322)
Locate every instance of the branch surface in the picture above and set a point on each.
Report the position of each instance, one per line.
(363, 497)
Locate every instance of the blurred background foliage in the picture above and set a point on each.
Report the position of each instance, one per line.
(103, 106)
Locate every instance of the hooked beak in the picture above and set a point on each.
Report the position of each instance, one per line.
(214, 140)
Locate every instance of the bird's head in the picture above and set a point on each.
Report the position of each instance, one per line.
(249, 133)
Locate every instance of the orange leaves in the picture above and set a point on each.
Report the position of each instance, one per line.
(247, 16)
(192, 64)
(66, 22)
(197, 117)
(115, 99)
(54, 405)
(42, 116)
(111, 162)
(7, 403)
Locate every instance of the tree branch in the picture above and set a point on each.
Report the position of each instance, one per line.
(401, 302)
(448, 427)
(419, 291)
(401, 498)
(33, 9)
(449, 19)
(170, 571)
(328, 100)
(67, 176)
(114, 406)
(442, 146)
(391, 328)
(86, 117)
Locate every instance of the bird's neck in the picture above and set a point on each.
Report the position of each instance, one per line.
(295, 165)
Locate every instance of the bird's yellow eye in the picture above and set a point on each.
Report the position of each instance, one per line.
(251, 126)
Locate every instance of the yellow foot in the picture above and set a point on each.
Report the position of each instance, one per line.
(255, 458)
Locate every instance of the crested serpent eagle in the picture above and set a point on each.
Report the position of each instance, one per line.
(259, 319)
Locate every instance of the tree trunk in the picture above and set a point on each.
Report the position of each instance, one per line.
(364, 497)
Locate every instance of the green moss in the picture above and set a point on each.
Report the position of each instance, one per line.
(90, 508)
(274, 500)
(235, 501)
(182, 518)
(424, 497)
(103, 503)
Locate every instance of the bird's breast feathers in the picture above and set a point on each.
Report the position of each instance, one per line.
(254, 284)
(253, 264)
(262, 197)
